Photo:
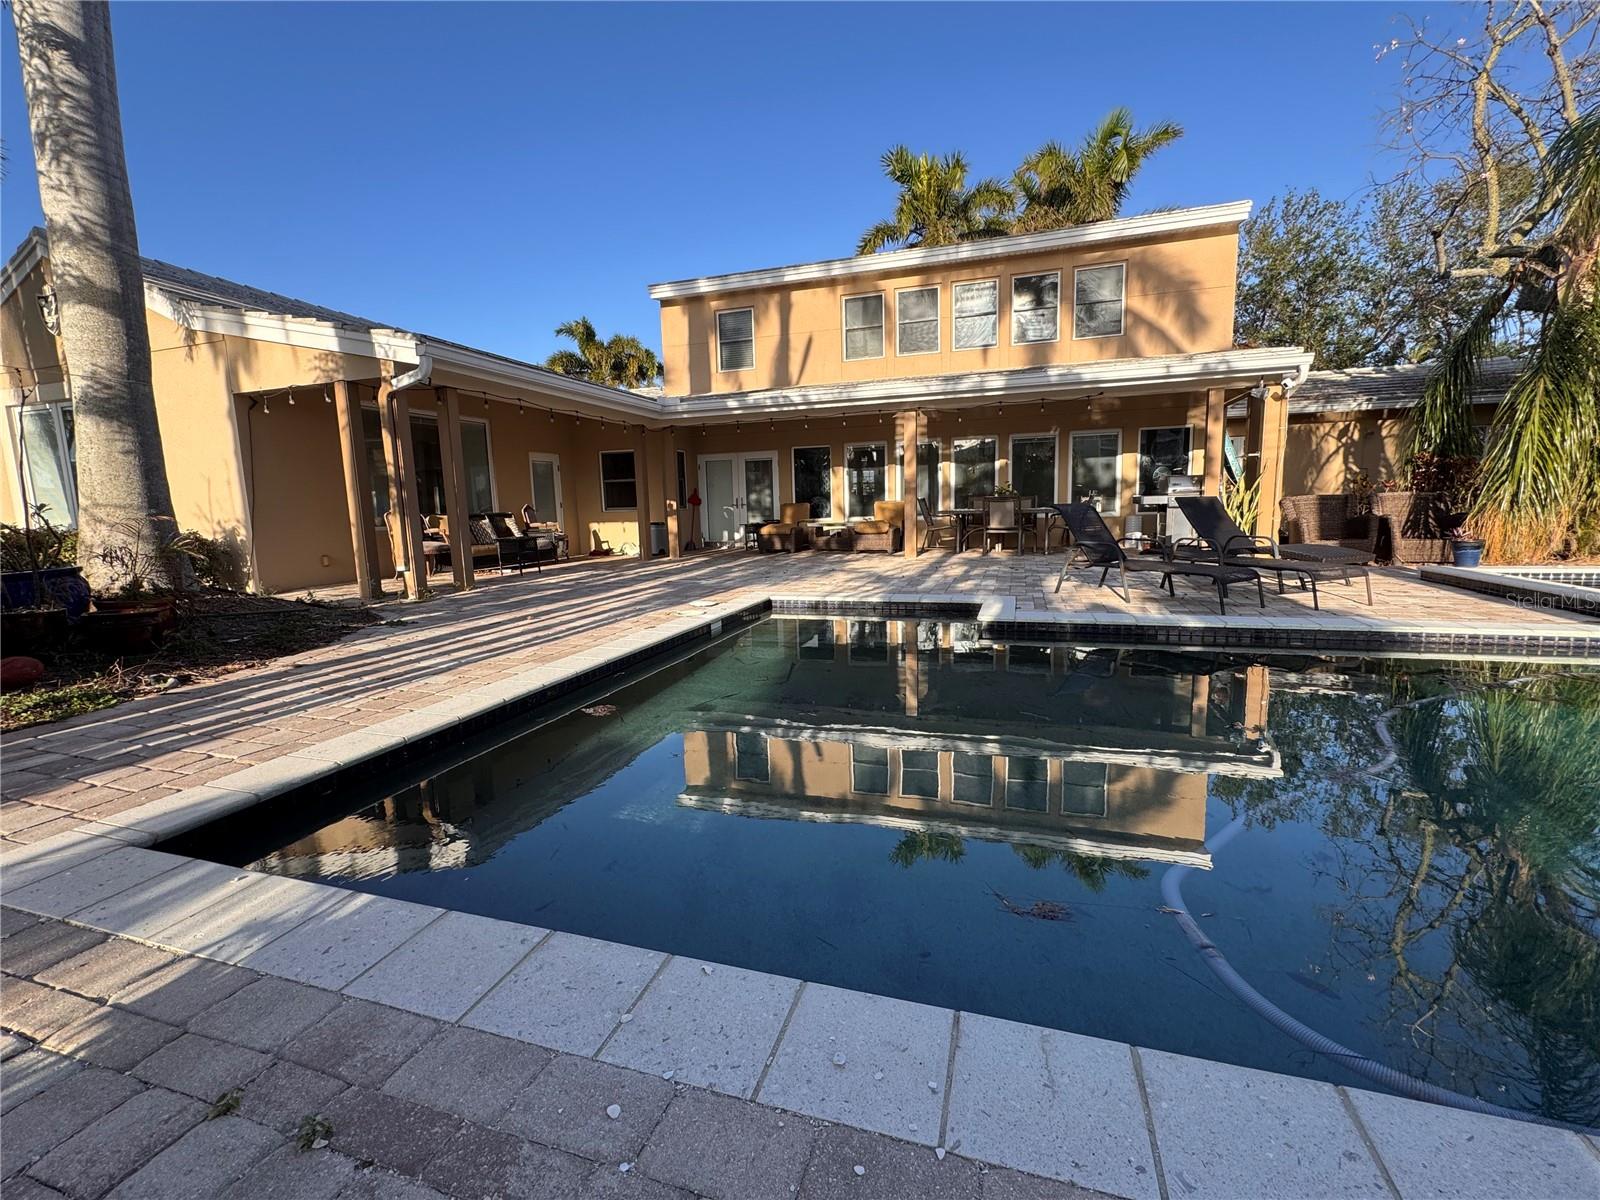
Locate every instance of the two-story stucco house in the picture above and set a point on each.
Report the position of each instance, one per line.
(1086, 364)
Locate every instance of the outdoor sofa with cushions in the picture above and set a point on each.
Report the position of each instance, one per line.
(886, 529)
(1099, 548)
(1411, 526)
(1220, 540)
(1330, 521)
(788, 532)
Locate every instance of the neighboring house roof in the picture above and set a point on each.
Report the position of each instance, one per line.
(1366, 388)
(1178, 220)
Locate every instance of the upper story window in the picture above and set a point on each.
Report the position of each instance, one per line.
(916, 321)
(975, 308)
(736, 339)
(1035, 308)
(1097, 301)
(863, 326)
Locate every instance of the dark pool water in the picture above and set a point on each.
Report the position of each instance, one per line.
(901, 808)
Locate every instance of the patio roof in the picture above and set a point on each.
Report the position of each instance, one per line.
(1362, 389)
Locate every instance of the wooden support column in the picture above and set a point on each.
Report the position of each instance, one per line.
(1216, 440)
(358, 490)
(669, 488)
(912, 428)
(455, 482)
(400, 457)
(642, 475)
(1265, 434)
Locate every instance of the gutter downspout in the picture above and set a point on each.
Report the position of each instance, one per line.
(419, 375)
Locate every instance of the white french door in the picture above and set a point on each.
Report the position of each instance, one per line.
(737, 489)
(545, 476)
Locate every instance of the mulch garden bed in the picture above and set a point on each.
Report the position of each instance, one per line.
(217, 633)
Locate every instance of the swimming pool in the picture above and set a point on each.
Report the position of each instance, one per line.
(1402, 855)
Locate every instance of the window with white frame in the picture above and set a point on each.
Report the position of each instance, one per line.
(869, 770)
(1035, 308)
(919, 774)
(1083, 788)
(736, 339)
(751, 759)
(49, 459)
(1163, 453)
(1033, 466)
(863, 326)
(972, 778)
(866, 477)
(1097, 301)
(813, 479)
(619, 488)
(1027, 784)
(916, 321)
(975, 309)
(972, 463)
(1096, 469)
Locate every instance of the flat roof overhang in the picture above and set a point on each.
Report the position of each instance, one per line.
(1125, 376)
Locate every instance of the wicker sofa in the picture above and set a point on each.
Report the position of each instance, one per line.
(1329, 520)
(1411, 527)
(885, 531)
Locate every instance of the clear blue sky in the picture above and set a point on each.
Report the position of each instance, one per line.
(484, 172)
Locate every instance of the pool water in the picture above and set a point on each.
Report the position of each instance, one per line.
(903, 808)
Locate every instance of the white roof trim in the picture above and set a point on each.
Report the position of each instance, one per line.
(1176, 372)
(27, 256)
(1122, 229)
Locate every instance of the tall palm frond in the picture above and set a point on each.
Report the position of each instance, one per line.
(1059, 187)
(621, 361)
(1541, 468)
(935, 206)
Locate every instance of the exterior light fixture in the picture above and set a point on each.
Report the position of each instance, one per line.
(49, 310)
(291, 398)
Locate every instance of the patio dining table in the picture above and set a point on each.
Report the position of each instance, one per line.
(968, 518)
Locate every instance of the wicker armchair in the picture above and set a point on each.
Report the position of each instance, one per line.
(1329, 521)
(885, 530)
(788, 532)
(1411, 527)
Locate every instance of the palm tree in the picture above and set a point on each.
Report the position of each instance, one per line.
(70, 79)
(1059, 187)
(621, 361)
(1539, 481)
(935, 206)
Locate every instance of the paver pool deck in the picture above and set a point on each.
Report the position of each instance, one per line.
(475, 1057)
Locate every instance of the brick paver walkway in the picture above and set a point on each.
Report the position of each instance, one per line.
(60, 775)
(135, 1073)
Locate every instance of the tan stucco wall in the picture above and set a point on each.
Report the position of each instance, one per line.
(1329, 452)
(29, 359)
(1179, 299)
(1057, 418)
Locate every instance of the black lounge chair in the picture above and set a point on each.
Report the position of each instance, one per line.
(1100, 549)
(1221, 540)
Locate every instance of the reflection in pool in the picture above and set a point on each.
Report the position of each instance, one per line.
(902, 808)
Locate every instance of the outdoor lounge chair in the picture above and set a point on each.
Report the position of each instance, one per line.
(1220, 538)
(885, 530)
(1100, 549)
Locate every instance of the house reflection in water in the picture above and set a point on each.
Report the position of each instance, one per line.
(907, 725)
(1092, 752)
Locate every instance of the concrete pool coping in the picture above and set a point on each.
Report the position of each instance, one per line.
(1136, 1122)
(1544, 590)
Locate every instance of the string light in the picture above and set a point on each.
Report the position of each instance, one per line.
(327, 396)
(552, 416)
(291, 399)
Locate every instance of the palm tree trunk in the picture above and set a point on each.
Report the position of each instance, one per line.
(70, 79)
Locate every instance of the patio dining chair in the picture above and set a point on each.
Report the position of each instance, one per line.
(1100, 548)
(1000, 522)
(934, 529)
(1221, 539)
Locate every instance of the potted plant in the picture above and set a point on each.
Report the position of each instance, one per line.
(1465, 550)
(130, 615)
(42, 591)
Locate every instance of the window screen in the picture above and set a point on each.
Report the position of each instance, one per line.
(916, 315)
(617, 486)
(1097, 304)
(1033, 468)
(863, 327)
(736, 339)
(1035, 308)
(869, 770)
(976, 310)
(1094, 469)
(813, 480)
